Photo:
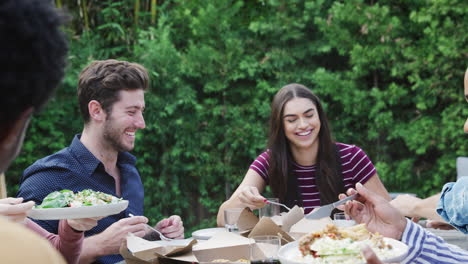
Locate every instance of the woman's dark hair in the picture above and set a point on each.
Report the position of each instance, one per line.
(282, 180)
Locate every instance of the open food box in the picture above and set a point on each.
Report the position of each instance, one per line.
(223, 246)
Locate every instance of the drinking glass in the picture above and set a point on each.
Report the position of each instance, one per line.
(343, 220)
(231, 215)
(264, 250)
(269, 210)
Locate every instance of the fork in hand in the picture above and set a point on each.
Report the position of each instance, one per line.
(280, 204)
(163, 237)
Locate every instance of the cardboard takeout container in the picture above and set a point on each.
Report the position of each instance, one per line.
(136, 250)
(224, 245)
(289, 226)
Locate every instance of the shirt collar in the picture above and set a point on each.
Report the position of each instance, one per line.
(90, 162)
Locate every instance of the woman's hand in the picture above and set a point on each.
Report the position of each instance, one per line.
(250, 197)
(14, 209)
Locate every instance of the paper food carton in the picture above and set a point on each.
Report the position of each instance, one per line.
(266, 227)
(289, 226)
(223, 245)
(137, 250)
(292, 217)
(247, 220)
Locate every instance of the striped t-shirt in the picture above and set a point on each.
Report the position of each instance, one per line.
(355, 165)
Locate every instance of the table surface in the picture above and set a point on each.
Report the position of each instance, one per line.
(454, 237)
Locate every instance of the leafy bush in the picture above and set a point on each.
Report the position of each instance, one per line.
(389, 73)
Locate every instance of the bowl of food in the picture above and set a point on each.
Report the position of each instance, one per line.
(341, 245)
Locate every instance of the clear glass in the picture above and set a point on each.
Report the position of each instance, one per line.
(264, 250)
(231, 215)
(269, 210)
(343, 220)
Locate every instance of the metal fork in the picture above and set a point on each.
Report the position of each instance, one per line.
(163, 237)
(280, 204)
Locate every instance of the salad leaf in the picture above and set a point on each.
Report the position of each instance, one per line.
(57, 199)
(67, 198)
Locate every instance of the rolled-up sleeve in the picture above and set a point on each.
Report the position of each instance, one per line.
(453, 204)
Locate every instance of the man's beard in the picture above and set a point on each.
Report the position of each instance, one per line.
(112, 137)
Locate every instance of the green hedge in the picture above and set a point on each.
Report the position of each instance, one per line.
(389, 73)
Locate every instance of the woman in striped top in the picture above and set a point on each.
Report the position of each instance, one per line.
(303, 165)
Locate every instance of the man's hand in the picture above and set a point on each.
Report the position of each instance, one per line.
(171, 227)
(83, 224)
(108, 242)
(14, 210)
(250, 197)
(376, 212)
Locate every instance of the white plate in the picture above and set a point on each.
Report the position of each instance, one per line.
(205, 234)
(78, 212)
(289, 253)
(176, 242)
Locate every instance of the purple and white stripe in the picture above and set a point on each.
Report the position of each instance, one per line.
(356, 167)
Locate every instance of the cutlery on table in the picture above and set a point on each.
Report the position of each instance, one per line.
(163, 237)
(280, 204)
(326, 210)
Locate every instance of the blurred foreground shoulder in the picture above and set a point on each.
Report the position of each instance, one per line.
(20, 245)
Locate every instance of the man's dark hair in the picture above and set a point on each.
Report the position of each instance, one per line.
(103, 80)
(32, 52)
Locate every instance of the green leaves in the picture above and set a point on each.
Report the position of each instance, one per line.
(390, 76)
(57, 199)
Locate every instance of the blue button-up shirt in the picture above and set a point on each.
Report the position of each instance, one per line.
(76, 168)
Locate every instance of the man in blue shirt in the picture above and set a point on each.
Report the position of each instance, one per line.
(111, 101)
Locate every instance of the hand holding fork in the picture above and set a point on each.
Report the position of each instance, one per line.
(171, 226)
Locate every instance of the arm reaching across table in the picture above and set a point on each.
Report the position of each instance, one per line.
(381, 217)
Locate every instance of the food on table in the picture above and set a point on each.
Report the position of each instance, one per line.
(227, 260)
(342, 245)
(67, 198)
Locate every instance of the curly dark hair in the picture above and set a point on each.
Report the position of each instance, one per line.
(32, 52)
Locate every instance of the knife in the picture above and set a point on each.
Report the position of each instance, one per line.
(326, 210)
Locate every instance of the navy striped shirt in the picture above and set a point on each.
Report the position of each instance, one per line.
(356, 167)
(425, 247)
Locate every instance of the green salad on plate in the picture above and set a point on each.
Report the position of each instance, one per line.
(66, 198)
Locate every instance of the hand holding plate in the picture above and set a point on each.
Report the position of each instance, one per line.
(14, 210)
(83, 224)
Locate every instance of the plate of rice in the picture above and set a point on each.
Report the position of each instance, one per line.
(341, 245)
